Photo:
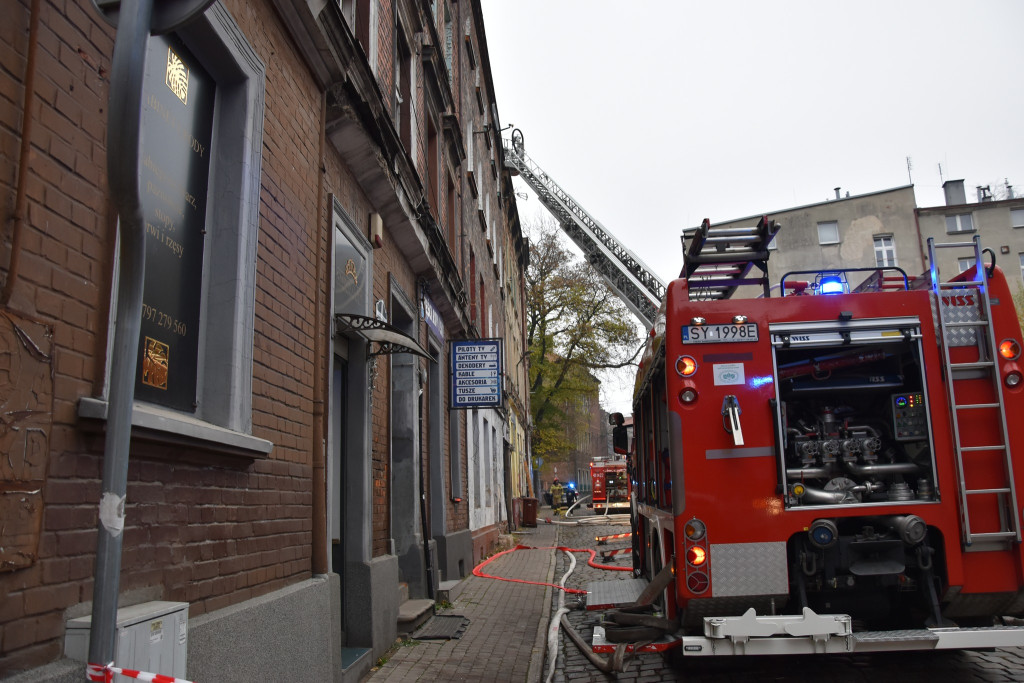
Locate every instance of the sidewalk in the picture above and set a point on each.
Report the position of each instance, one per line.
(507, 630)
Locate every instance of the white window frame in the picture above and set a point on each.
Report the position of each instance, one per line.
(1017, 218)
(965, 263)
(885, 246)
(959, 224)
(823, 238)
(1021, 255)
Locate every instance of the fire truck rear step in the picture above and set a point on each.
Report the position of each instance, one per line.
(811, 633)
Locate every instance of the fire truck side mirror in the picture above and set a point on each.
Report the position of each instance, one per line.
(616, 419)
(620, 439)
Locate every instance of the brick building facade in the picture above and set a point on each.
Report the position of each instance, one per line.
(355, 218)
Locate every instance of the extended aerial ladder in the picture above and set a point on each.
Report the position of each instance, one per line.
(639, 288)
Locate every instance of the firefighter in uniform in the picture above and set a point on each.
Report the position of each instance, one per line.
(556, 495)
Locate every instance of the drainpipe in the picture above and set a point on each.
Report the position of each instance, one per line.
(319, 550)
(123, 127)
(920, 242)
(21, 196)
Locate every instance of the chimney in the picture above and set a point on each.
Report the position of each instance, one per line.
(837, 193)
(984, 193)
(955, 193)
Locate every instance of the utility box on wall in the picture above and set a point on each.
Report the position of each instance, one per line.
(151, 637)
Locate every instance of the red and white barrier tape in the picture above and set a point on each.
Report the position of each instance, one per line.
(105, 674)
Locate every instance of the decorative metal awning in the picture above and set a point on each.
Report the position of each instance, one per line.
(389, 338)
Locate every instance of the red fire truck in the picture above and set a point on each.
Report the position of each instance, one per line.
(609, 485)
(832, 466)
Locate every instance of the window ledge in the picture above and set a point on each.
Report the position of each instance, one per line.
(154, 424)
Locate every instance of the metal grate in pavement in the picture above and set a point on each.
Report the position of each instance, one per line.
(442, 627)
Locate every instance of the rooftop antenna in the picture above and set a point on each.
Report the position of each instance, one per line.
(910, 167)
(941, 180)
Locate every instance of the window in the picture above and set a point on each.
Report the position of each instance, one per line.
(483, 307)
(965, 263)
(1017, 218)
(433, 159)
(959, 223)
(1021, 265)
(353, 265)
(402, 102)
(223, 410)
(452, 215)
(472, 286)
(448, 46)
(828, 232)
(362, 24)
(885, 251)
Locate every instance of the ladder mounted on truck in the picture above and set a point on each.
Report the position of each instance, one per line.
(719, 260)
(965, 320)
(639, 288)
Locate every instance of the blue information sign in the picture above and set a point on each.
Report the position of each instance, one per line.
(476, 373)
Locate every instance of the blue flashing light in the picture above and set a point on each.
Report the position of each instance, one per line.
(760, 381)
(831, 284)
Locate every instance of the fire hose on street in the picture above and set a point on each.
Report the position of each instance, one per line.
(630, 624)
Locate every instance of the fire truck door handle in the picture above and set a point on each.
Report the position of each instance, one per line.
(731, 418)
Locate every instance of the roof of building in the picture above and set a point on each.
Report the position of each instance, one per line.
(809, 206)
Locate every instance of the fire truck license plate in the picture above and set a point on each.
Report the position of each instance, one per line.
(704, 334)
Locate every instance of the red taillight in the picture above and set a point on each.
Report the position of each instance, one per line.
(696, 555)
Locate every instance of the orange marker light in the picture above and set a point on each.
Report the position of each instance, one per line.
(1009, 349)
(695, 530)
(686, 366)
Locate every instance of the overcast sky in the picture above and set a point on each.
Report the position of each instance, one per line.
(655, 115)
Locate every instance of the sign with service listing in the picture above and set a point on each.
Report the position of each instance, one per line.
(476, 373)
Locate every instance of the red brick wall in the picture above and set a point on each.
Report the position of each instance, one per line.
(211, 535)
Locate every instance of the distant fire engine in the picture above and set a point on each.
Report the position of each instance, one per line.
(609, 481)
(834, 468)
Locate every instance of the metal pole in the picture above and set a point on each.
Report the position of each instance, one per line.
(123, 127)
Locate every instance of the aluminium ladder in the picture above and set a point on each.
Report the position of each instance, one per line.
(635, 284)
(719, 260)
(970, 332)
